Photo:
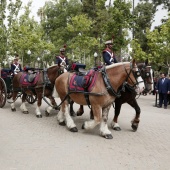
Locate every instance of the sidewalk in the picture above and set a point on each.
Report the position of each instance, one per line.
(29, 143)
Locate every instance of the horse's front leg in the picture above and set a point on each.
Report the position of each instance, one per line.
(23, 106)
(39, 101)
(97, 110)
(14, 95)
(49, 108)
(136, 120)
(114, 123)
(65, 115)
(72, 112)
(104, 131)
(80, 111)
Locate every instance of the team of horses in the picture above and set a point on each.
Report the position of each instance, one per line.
(115, 83)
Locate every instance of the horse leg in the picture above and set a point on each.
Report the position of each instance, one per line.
(39, 101)
(114, 123)
(97, 118)
(14, 95)
(136, 120)
(72, 112)
(80, 111)
(64, 113)
(97, 112)
(23, 106)
(104, 131)
(49, 108)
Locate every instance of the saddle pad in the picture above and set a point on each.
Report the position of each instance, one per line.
(83, 83)
(24, 80)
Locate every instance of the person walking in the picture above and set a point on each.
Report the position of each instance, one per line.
(163, 88)
(108, 55)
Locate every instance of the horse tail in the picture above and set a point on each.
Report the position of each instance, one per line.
(55, 94)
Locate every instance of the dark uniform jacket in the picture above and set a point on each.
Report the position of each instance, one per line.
(109, 57)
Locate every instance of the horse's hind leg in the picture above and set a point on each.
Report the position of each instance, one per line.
(114, 123)
(104, 131)
(65, 115)
(136, 120)
(23, 106)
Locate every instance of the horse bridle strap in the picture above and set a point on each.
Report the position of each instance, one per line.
(108, 85)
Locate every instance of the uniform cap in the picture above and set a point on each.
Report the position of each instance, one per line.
(62, 49)
(109, 42)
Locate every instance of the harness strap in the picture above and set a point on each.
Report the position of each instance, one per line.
(108, 84)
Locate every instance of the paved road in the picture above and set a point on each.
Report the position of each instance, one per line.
(29, 143)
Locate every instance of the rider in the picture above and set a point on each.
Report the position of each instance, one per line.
(62, 60)
(15, 66)
(108, 55)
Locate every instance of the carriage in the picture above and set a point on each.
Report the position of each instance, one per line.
(6, 88)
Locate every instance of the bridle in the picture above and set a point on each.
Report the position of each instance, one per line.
(109, 87)
(136, 74)
(146, 75)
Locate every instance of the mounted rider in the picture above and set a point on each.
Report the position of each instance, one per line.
(62, 60)
(15, 66)
(108, 55)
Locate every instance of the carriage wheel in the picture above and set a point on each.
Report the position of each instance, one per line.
(3, 93)
(31, 98)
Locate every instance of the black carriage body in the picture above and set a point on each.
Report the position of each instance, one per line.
(6, 88)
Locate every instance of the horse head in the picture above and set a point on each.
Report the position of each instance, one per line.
(54, 71)
(147, 75)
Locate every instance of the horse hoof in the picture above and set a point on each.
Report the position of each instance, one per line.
(25, 112)
(73, 114)
(74, 129)
(83, 126)
(134, 128)
(13, 109)
(79, 113)
(108, 136)
(39, 116)
(117, 128)
(47, 114)
(62, 123)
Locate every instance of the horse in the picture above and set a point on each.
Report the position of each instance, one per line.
(147, 75)
(104, 92)
(42, 86)
(129, 96)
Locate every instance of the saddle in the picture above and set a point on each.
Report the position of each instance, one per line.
(29, 79)
(83, 80)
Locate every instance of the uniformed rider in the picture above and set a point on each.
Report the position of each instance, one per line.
(15, 66)
(62, 60)
(108, 55)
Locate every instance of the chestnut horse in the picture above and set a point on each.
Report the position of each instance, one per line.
(42, 88)
(129, 96)
(100, 97)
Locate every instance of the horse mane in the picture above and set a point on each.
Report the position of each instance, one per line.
(52, 66)
(116, 64)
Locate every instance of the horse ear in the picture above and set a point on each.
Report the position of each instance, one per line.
(146, 62)
(133, 62)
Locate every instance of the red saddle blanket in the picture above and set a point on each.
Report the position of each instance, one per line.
(83, 83)
(24, 80)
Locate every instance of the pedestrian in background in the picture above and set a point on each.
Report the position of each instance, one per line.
(163, 88)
